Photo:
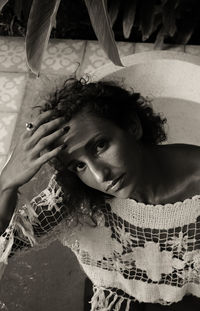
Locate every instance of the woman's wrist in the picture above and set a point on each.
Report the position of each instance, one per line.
(6, 185)
(8, 201)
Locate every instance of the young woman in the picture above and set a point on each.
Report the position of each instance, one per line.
(127, 205)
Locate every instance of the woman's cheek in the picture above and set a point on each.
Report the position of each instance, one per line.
(113, 156)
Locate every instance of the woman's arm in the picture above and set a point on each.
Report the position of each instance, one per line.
(32, 224)
(25, 160)
(8, 201)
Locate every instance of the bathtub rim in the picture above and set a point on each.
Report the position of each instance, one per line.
(142, 58)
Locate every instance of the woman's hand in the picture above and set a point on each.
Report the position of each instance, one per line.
(30, 153)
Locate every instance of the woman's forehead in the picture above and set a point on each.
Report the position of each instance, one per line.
(83, 128)
(86, 122)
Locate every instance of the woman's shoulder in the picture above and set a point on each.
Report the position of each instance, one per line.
(188, 156)
(191, 155)
(183, 162)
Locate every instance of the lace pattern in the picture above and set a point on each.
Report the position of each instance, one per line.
(151, 265)
(148, 253)
(34, 224)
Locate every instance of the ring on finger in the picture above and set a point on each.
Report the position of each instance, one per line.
(29, 126)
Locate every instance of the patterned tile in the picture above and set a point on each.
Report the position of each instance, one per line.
(63, 56)
(12, 54)
(12, 86)
(173, 47)
(193, 49)
(95, 57)
(7, 126)
(2, 162)
(143, 47)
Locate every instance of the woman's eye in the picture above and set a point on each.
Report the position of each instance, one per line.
(78, 167)
(101, 145)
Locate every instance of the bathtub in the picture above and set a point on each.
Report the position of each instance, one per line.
(171, 80)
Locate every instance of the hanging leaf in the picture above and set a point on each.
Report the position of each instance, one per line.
(157, 22)
(187, 20)
(182, 36)
(18, 8)
(147, 15)
(100, 20)
(169, 16)
(38, 31)
(113, 10)
(158, 45)
(129, 17)
(26, 8)
(2, 3)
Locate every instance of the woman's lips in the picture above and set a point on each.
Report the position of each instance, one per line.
(116, 183)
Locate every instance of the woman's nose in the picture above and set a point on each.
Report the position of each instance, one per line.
(100, 172)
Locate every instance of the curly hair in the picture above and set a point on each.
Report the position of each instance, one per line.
(107, 100)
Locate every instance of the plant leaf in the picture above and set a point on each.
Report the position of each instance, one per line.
(158, 45)
(129, 17)
(39, 27)
(18, 8)
(100, 20)
(2, 3)
(169, 16)
(113, 10)
(26, 9)
(148, 10)
(156, 22)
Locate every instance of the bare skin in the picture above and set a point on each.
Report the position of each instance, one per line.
(179, 176)
(154, 174)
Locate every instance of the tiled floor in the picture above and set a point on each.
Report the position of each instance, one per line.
(62, 57)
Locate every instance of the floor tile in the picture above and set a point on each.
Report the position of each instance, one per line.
(143, 47)
(2, 161)
(174, 47)
(193, 49)
(12, 54)
(63, 56)
(95, 57)
(7, 126)
(12, 86)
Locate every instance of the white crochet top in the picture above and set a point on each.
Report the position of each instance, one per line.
(137, 252)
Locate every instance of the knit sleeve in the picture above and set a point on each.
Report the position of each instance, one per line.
(34, 223)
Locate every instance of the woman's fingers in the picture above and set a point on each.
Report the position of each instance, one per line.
(49, 155)
(27, 158)
(42, 118)
(49, 140)
(43, 130)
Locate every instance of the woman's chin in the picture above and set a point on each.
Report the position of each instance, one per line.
(124, 193)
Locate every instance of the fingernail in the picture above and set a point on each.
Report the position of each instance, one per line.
(66, 129)
(65, 139)
(63, 146)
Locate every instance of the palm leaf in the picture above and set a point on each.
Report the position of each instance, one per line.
(113, 10)
(39, 27)
(2, 3)
(26, 7)
(129, 17)
(169, 16)
(147, 13)
(18, 8)
(100, 20)
(158, 45)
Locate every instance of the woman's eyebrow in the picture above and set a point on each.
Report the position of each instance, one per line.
(90, 143)
(87, 146)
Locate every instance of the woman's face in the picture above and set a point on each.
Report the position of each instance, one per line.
(102, 155)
